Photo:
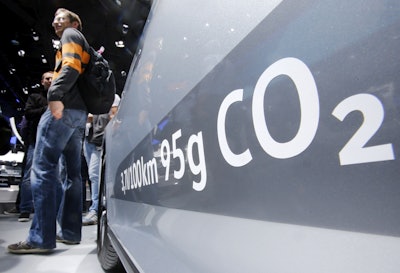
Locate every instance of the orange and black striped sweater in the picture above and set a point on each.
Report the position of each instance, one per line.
(71, 59)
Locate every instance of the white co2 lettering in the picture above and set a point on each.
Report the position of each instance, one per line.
(353, 152)
(177, 153)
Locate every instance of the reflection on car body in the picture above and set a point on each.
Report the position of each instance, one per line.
(264, 140)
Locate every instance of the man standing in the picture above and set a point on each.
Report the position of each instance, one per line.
(35, 106)
(60, 132)
(92, 148)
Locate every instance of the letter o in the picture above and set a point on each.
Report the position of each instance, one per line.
(309, 106)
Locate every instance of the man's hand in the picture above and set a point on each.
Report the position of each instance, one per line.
(56, 108)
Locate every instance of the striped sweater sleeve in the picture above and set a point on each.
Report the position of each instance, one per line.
(69, 62)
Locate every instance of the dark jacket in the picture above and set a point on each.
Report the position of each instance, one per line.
(35, 106)
(71, 60)
(96, 131)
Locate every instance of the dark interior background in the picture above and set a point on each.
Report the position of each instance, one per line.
(26, 44)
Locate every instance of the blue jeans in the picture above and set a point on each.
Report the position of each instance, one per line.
(62, 183)
(92, 155)
(54, 138)
(26, 204)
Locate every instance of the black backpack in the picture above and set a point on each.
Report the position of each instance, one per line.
(97, 84)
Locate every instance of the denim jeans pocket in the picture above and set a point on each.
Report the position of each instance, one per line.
(73, 118)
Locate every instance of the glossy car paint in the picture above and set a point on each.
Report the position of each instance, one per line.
(265, 139)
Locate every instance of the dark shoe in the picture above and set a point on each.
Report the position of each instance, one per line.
(24, 217)
(14, 210)
(67, 242)
(25, 248)
(90, 218)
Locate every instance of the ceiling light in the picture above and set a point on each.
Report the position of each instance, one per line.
(21, 53)
(119, 43)
(35, 36)
(44, 60)
(56, 44)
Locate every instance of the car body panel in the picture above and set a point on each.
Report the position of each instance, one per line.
(265, 139)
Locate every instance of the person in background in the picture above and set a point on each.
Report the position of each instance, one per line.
(92, 150)
(35, 106)
(60, 132)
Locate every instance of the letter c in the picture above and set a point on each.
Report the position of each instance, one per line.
(235, 160)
